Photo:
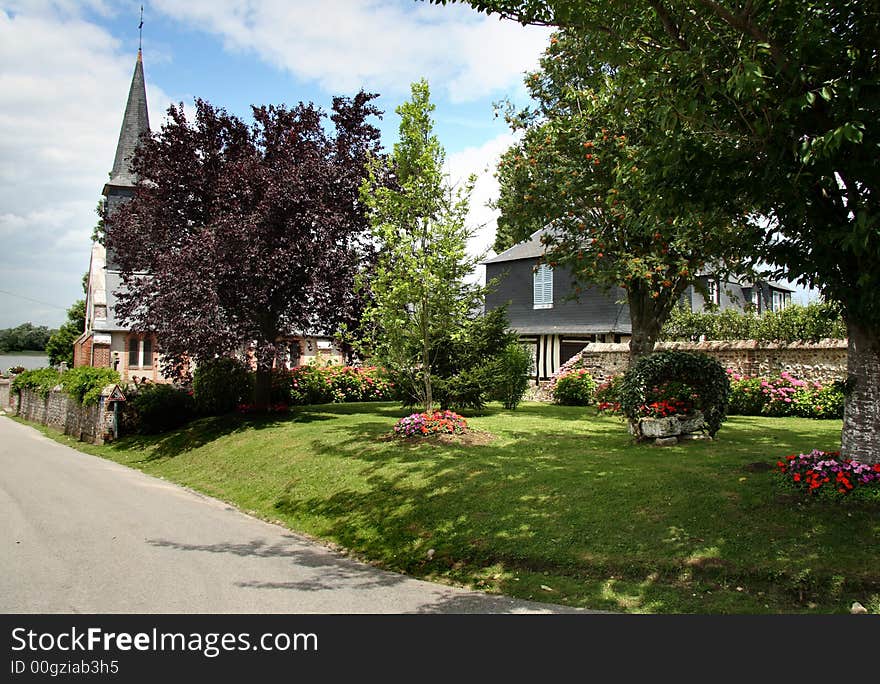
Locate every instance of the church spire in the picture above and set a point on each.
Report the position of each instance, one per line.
(135, 122)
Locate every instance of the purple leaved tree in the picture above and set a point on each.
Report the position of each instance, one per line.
(239, 236)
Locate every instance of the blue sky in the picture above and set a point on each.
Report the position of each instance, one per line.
(65, 69)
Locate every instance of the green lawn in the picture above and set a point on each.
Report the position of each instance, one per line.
(558, 507)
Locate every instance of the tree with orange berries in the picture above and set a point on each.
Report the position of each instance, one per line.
(584, 170)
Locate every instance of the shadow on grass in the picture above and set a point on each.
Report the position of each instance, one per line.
(203, 431)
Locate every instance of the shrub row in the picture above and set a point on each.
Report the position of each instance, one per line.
(84, 384)
(811, 323)
(785, 396)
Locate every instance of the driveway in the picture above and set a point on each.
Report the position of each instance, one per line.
(82, 534)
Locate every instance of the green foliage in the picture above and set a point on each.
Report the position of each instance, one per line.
(220, 385)
(810, 323)
(746, 397)
(60, 345)
(785, 396)
(318, 384)
(25, 337)
(85, 383)
(159, 407)
(419, 289)
(705, 376)
(511, 372)
(575, 388)
(464, 390)
(39, 380)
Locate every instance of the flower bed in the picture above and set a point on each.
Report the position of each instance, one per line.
(825, 474)
(315, 384)
(425, 424)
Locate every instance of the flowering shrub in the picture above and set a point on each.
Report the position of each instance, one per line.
(695, 380)
(669, 398)
(575, 388)
(436, 423)
(784, 396)
(607, 395)
(824, 473)
(325, 384)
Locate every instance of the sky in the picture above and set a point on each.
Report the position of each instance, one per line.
(66, 67)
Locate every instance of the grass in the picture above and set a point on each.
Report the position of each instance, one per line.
(559, 506)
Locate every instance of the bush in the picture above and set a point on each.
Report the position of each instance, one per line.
(512, 374)
(575, 388)
(607, 395)
(466, 390)
(85, 383)
(746, 396)
(39, 380)
(220, 385)
(785, 396)
(795, 323)
(674, 373)
(159, 408)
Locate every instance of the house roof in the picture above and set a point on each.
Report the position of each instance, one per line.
(528, 249)
(135, 122)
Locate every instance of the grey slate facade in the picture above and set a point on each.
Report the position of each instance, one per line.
(557, 331)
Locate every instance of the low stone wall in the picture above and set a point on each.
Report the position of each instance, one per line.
(58, 410)
(822, 362)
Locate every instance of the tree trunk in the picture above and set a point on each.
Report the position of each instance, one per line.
(645, 326)
(262, 387)
(861, 418)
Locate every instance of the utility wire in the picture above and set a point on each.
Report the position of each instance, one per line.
(36, 301)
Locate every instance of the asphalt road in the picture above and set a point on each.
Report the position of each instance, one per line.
(82, 534)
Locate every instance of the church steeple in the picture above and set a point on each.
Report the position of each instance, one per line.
(135, 122)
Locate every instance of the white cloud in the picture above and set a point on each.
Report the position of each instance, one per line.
(480, 161)
(63, 87)
(344, 45)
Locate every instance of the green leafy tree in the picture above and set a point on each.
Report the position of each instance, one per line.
(60, 345)
(782, 101)
(587, 172)
(25, 337)
(419, 289)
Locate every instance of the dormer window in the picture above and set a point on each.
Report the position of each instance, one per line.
(543, 287)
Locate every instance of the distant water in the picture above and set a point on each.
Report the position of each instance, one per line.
(29, 361)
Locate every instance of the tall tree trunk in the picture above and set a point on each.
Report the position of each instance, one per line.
(645, 325)
(861, 418)
(263, 377)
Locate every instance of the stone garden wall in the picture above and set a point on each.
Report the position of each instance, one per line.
(60, 411)
(821, 362)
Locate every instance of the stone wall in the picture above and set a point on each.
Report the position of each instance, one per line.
(822, 362)
(58, 410)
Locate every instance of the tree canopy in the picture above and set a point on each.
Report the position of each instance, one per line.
(420, 295)
(240, 236)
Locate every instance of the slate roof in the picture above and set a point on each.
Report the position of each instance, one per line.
(529, 249)
(135, 122)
